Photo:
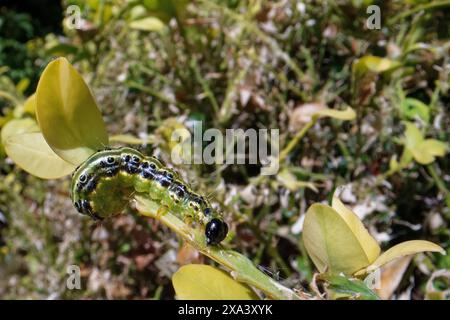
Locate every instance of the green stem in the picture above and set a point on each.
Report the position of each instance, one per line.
(156, 94)
(291, 145)
(242, 269)
(225, 111)
(205, 86)
(439, 183)
(428, 6)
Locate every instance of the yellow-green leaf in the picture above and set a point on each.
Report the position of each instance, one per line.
(23, 85)
(373, 64)
(393, 163)
(404, 249)
(413, 136)
(31, 152)
(67, 113)
(331, 243)
(30, 104)
(367, 242)
(290, 181)
(423, 150)
(18, 126)
(203, 282)
(426, 151)
(147, 24)
(347, 114)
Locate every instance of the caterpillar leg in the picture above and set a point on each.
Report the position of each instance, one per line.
(187, 219)
(162, 210)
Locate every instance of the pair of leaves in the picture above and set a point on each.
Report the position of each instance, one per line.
(139, 19)
(424, 151)
(70, 125)
(337, 241)
(203, 282)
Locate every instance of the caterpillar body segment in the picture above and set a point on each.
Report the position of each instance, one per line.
(103, 185)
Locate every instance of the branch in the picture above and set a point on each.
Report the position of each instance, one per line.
(242, 269)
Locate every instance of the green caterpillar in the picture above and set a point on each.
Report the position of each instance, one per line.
(102, 186)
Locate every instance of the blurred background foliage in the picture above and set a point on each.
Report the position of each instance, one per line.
(156, 65)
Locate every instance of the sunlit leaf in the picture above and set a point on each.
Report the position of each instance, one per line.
(368, 243)
(290, 181)
(423, 150)
(18, 126)
(347, 114)
(148, 24)
(30, 104)
(331, 243)
(373, 64)
(67, 113)
(393, 163)
(203, 282)
(31, 152)
(404, 249)
(426, 151)
(391, 276)
(23, 85)
(413, 136)
(406, 157)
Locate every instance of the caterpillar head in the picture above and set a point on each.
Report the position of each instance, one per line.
(215, 231)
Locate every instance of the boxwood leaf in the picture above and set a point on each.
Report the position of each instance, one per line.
(67, 113)
(31, 152)
(203, 282)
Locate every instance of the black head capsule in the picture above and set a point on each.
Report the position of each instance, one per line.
(215, 231)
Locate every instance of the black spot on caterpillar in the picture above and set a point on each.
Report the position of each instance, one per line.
(102, 186)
